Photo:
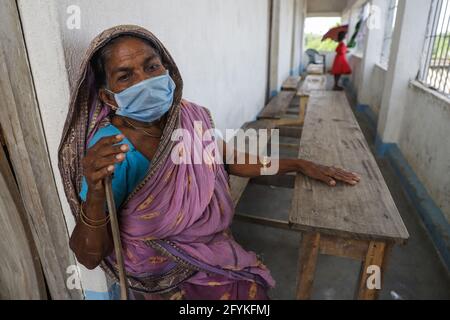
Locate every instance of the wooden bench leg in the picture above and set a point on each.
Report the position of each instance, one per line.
(309, 250)
(377, 255)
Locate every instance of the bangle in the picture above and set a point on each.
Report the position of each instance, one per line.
(93, 223)
(92, 220)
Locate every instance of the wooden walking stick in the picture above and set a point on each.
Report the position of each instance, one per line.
(116, 238)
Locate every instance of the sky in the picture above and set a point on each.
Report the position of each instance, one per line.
(320, 26)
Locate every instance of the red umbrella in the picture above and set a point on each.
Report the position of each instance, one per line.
(334, 32)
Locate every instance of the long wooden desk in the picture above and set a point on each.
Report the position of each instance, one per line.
(359, 222)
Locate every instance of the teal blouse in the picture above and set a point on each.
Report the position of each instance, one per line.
(127, 174)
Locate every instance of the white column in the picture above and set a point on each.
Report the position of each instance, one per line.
(274, 48)
(297, 39)
(404, 64)
(373, 47)
(299, 36)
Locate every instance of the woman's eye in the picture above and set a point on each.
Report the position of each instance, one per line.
(152, 67)
(123, 78)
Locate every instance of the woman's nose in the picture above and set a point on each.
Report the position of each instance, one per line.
(142, 76)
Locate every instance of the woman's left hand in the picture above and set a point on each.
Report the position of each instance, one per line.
(328, 175)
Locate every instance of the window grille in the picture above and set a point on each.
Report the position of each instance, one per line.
(436, 63)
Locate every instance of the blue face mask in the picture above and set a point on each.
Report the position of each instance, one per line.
(148, 100)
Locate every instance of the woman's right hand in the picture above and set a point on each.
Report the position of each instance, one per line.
(100, 160)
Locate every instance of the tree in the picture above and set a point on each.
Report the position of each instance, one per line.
(314, 41)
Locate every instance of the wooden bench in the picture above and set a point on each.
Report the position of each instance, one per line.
(291, 84)
(359, 222)
(272, 117)
(278, 106)
(238, 184)
(312, 83)
(315, 69)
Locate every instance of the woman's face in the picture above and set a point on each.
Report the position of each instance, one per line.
(128, 62)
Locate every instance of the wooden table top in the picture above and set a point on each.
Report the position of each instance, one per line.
(312, 83)
(332, 136)
(277, 106)
(291, 83)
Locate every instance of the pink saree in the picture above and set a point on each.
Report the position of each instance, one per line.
(175, 226)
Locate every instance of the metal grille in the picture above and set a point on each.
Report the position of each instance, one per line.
(388, 31)
(435, 72)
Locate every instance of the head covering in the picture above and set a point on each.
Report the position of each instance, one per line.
(87, 113)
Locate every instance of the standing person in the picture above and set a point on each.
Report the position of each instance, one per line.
(174, 218)
(340, 65)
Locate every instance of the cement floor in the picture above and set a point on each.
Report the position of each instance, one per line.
(415, 270)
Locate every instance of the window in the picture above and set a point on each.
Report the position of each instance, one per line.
(436, 63)
(388, 32)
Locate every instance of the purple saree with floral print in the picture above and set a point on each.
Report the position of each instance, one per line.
(175, 226)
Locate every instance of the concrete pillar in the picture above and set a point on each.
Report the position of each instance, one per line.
(286, 41)
(298, 35)
(373, 47)
(404, 64)
(274, 48)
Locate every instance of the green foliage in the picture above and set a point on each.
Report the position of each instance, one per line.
(441, 47)
(314, 41)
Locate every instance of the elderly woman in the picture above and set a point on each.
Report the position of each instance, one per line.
(174, 217)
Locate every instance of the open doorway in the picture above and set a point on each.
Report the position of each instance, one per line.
(315, 28)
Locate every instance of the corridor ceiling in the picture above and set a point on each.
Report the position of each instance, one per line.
(326, 7)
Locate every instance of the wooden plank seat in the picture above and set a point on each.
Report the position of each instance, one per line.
(238, 184)
(287, 109)
(271, 118)
(312, 83)
(277, 106)
(315, 69)
(291, 83)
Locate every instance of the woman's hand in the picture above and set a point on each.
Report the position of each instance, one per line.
(100, 159)
(328, 175)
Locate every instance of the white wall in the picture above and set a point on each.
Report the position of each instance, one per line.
(424, 141)
(376, 80)
(298, 40)
(356, 66)
(372, 50)
(374, 84)
(408, 42)
(221, 48)
(286, 39)
(287, 45)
